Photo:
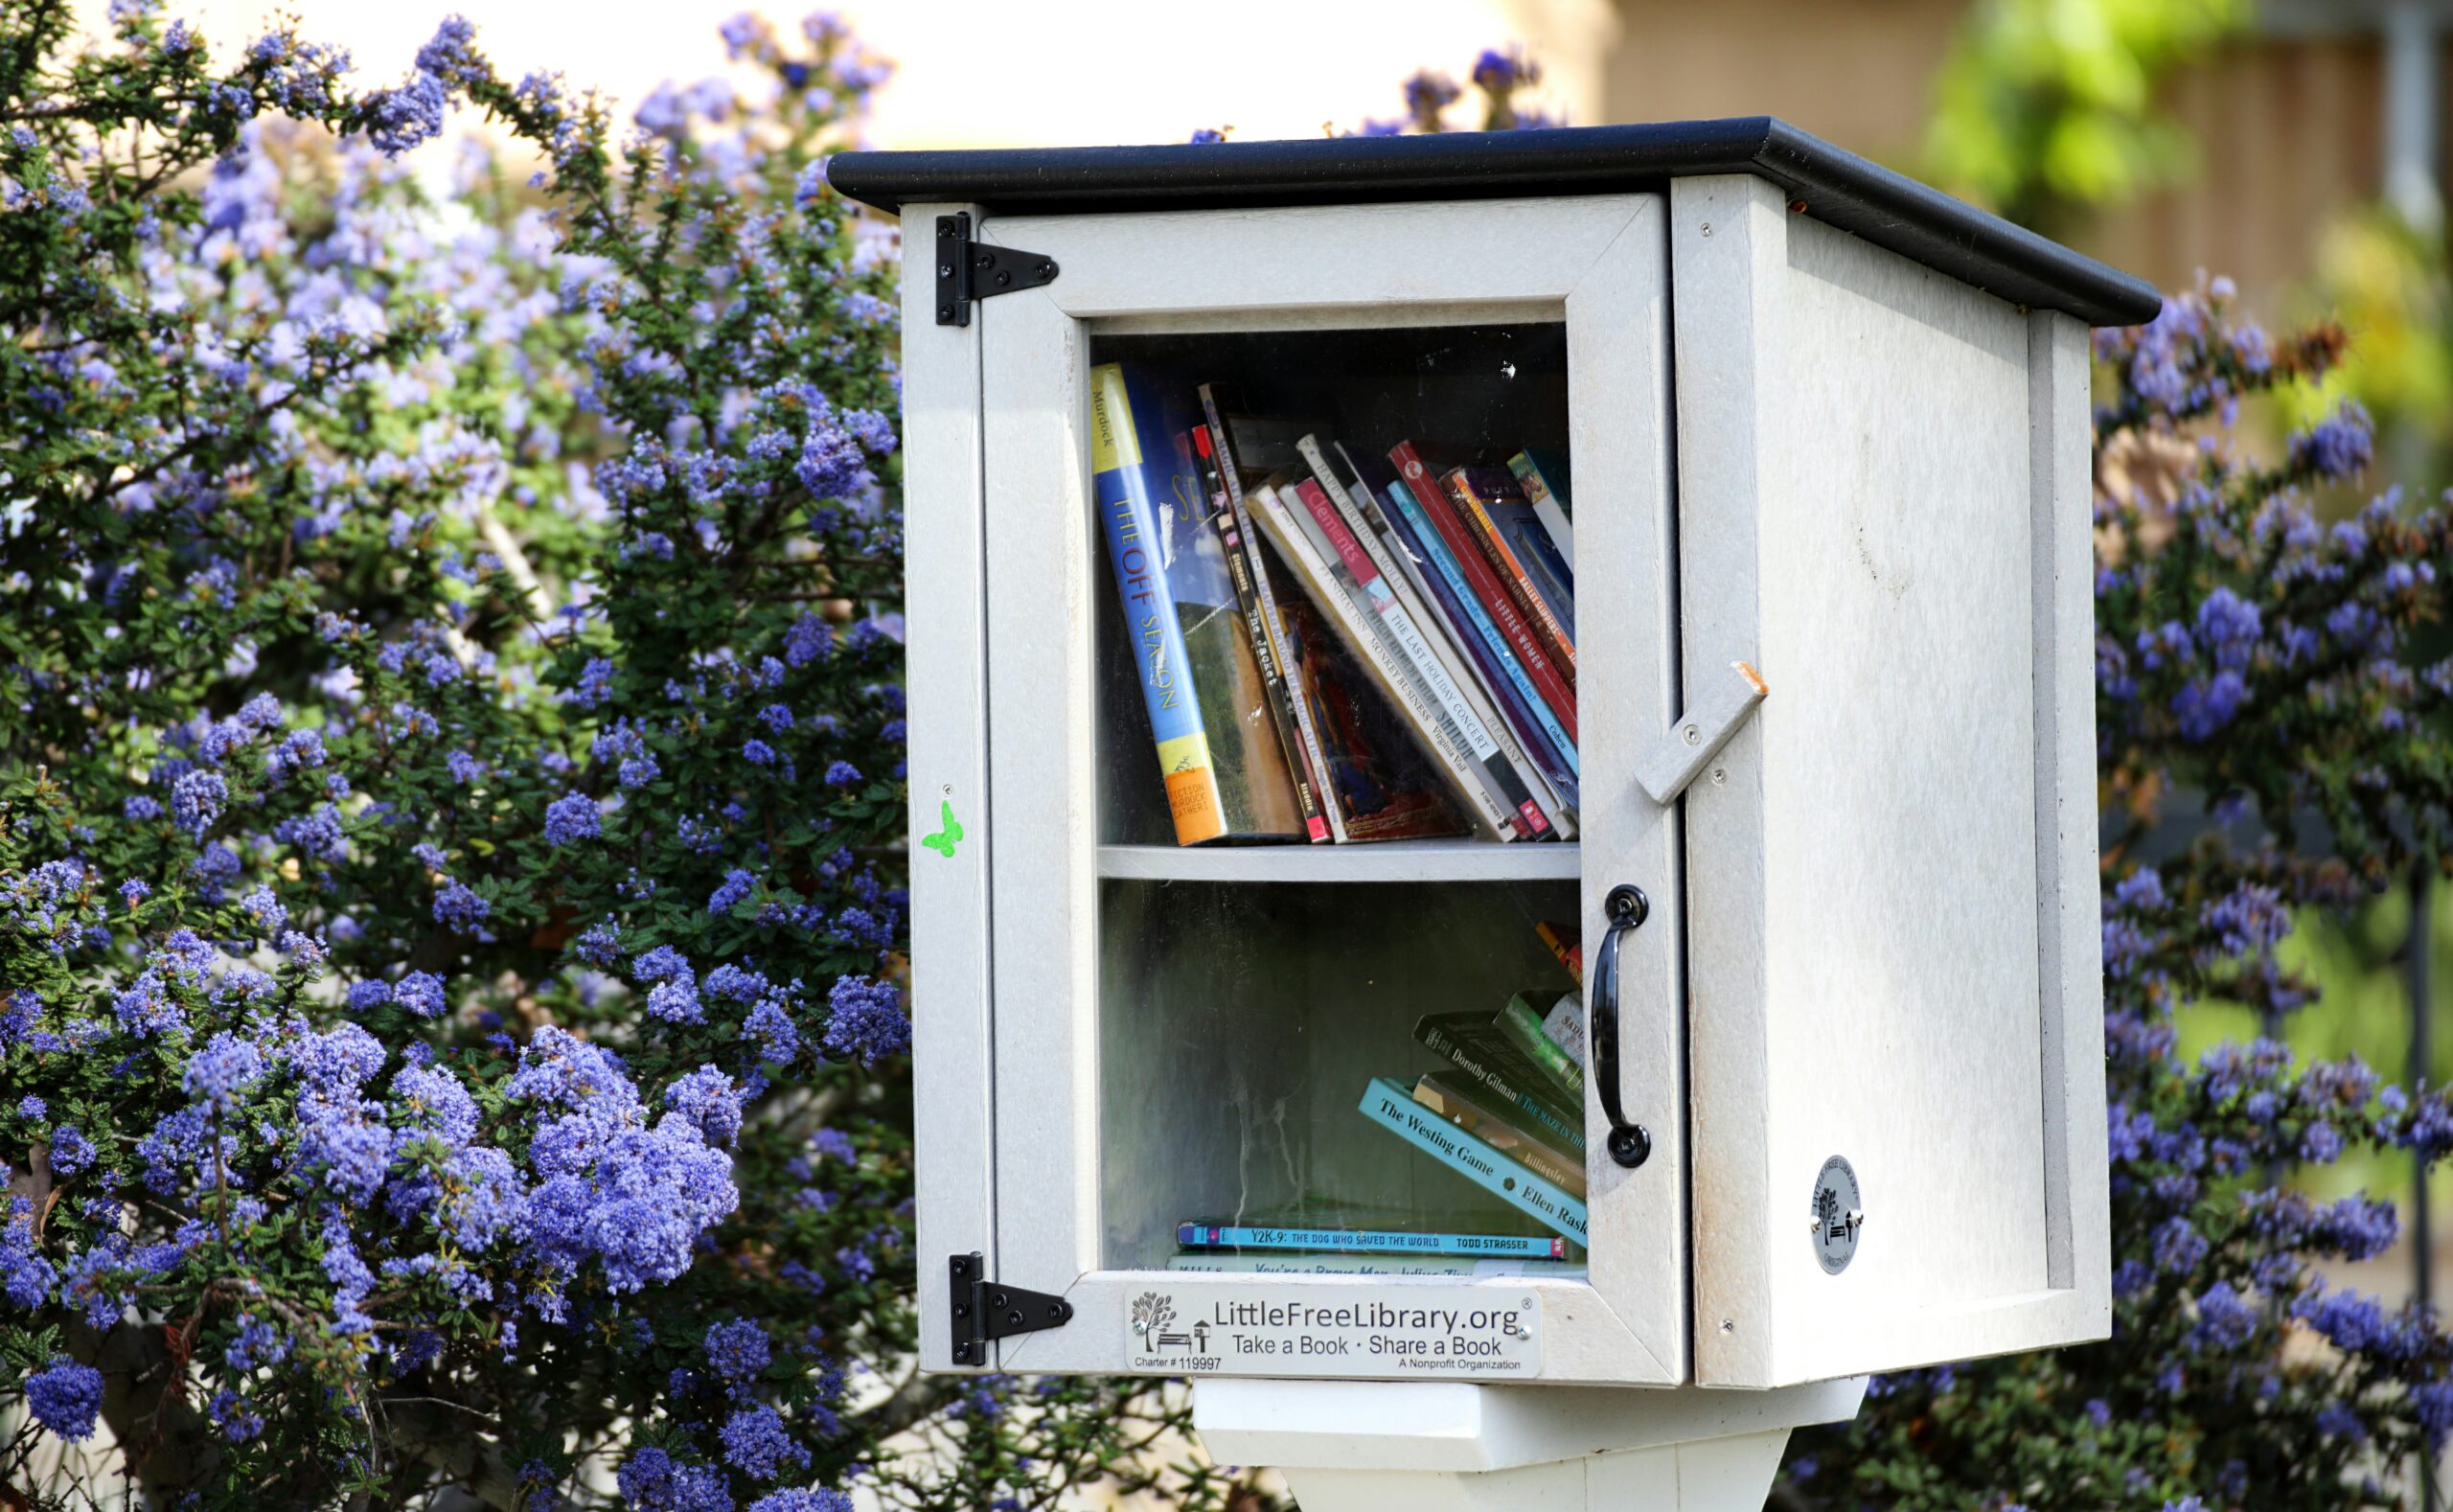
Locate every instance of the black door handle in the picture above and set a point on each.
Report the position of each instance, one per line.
(1627, 909)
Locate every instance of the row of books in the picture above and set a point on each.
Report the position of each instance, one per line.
(1334, 642)
(1505, 1113)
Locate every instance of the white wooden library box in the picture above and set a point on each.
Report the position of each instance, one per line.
(1829, 681)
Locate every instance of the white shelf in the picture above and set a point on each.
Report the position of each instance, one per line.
(1382, 861)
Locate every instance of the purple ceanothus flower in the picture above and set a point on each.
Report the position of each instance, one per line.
(65, 1397)
(572, 819)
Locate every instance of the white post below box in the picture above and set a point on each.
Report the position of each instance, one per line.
(1832, 688)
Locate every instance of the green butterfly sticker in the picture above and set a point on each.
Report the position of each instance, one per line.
(949, 832)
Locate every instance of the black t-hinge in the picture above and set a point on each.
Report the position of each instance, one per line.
(969, 270)
(984, 1310)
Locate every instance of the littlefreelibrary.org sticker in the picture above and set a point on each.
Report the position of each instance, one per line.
(1386, 1330)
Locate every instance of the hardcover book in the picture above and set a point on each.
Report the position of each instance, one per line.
(1473, 1045)
(1391, 1106)
(1555, 685)
(1265, 579)
(1224, 773)
(1504, 527)
(1458, 1088)
(1486, 1122)
(1521, 1022)
(1265, 650)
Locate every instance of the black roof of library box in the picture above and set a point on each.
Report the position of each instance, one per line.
(1838, 187)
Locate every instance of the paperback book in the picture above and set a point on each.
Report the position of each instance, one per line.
(1504, 527)
(1564, 1025)
(1436, 518)
(1392, 1107)
(1201, 1235)
(1544, 478)
(1524, 727)
(1296, 1264)
(1374, 777)
(1288, 523)
(1484, 1120)
(1438, 656)
(1456, 1089)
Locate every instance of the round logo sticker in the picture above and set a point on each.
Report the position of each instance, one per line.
(1839, 1212)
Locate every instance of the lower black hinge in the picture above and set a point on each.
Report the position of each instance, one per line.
(984, 1310)
(969, 270)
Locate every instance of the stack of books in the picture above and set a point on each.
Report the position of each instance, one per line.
(1338, 640)
(1505, 1113)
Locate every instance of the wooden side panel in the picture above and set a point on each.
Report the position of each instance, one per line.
(1891, 832)
(945, 569)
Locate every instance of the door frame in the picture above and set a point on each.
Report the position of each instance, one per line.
(1600, 263)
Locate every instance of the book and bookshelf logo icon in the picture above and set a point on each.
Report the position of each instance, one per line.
(1153, 1312)
(1838, 1213)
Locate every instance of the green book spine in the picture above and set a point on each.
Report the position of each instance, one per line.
(1523, 1027)
(1502, 1072)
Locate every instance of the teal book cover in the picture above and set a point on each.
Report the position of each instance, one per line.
(1391, 1106)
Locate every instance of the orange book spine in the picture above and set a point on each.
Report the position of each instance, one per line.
(1469, 486)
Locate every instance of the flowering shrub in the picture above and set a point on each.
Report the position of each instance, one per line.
(1502, 75)
(450, 790)
(2265, 664)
